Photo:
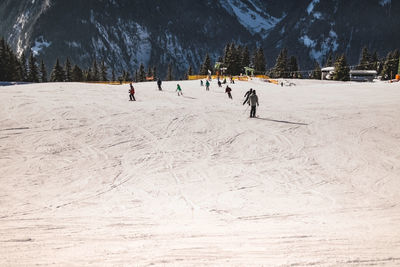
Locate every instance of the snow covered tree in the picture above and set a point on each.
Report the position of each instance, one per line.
(365, 60)
(259, 61)
(88, 75)
(126, 76)
(3, 59)
(206, 65)
(169, 73)
(316, 74)
(281, 70)
(67, 70)
(57, 75)
(103, 71)
(43, 72)
(342, 70)
(77, 74)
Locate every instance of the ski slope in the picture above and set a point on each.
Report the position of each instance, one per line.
(90, 178)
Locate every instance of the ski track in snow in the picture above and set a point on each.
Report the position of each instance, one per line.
(90, 178)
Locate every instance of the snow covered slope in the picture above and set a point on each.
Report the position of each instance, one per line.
(89, 178)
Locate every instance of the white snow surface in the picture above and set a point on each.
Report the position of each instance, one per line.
(90, 178)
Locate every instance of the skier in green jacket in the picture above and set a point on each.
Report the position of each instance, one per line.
(207, 85)
(179, 89)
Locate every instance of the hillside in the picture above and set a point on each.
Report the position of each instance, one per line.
(90, 178)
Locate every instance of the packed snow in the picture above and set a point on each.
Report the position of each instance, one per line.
(90, 178)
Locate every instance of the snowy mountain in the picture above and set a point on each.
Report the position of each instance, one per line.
(126, 33)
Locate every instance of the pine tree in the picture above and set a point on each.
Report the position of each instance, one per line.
(245, 59)
(390, 67)
(3, 62)
(206, 65)
(113, 78)
(293, 67)
(259, 61)
(88, 75)
(329, 60)
(281, 70)
(398, 69)
(316, 74)
(57, 75)
(126, 76)
(142, 73)
(77, 74)
(103, 71)
(189, 72)
(342, 70)
(43, 72)
(33, 73)
(169, 73)
(149, 72)
(95, 71)
(375, 61)
(155, 72)
(365, 60)
(23, 72)
(67, 70)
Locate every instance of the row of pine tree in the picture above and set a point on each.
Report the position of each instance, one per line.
(233, 62)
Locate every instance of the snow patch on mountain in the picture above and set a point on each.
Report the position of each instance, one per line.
(311, 6)
(40, 44)
(251, 16)
(385, 2)
(318, 51)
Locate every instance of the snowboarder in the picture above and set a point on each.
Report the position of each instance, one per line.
(228, 91)
(201, 83)
(132, 93)
(246, 95)
(179, 89)
(219, 83)
(253, 102)
(207, 85)
(224, 81)
(159, 84)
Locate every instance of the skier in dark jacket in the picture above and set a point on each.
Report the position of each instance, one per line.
(228, 90)
(159, 84)
(132, 93)
(247, 94)
(207, 85)
(253, 102)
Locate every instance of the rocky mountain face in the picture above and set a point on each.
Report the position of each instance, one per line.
(126, 33)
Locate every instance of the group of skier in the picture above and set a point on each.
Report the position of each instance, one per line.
(250, 96)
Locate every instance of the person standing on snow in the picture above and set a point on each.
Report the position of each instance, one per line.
(247, 94)
(201, 82)
(159, 84)
(228, 90)
(132, 93)
(179, 89)
(253, 102)
(207, 85)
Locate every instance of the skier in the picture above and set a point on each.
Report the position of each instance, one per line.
(253, 102)
(201, 83)
(159, 84)
(207, 85)
(132, 93)
(179, 89)
(219, 83)
(247, 94)
(228, 91)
